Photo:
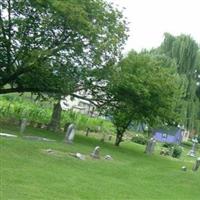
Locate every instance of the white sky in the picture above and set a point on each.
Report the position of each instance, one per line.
(150, 19)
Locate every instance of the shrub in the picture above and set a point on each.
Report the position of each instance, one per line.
(139, 139)
(187, 144)
(198, 138)
(177, 152)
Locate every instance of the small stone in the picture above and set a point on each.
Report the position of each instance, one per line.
(108, 157)
(80, 156)
(184, 168)
(196, 164)
(49, 150)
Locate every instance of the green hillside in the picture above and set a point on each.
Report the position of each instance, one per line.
(29, 172)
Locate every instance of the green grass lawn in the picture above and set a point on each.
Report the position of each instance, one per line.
(29, 173)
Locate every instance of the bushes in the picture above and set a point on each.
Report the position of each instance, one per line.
(187, 144)
(139, 139)
(172, 150)
(177, 152)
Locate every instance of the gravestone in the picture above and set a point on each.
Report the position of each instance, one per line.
(192, 152)
(196, 164)
(69, 137)
(150, 146)
(23, 125)
(96, 152)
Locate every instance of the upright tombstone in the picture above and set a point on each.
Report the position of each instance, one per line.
(23, 125)
(192, 152)
(196, 164)
(69, 137)
(150, 146)
(96, 152)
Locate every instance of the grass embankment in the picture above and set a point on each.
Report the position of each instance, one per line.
(28, 173)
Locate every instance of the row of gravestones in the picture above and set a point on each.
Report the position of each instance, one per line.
(69, 129)
(151, 146)
(70, 133)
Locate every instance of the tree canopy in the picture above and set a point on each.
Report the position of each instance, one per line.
(52, 46)
(144, 88)
(185, 51)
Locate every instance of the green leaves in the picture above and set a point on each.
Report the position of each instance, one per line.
(58, 43)
(144, 89)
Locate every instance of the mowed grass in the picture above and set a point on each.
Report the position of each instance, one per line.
(28, 173)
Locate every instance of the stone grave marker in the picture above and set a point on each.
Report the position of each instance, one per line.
(192, 152)
(69, 137)
(196, 164)
(150, 146)
(96, 152)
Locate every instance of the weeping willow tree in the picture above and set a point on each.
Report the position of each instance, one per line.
(185, 52)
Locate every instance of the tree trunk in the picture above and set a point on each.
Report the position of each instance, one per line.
(119, 137)
(54, 124)
(87, 131)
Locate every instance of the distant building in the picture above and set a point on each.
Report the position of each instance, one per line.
(78, 105)
(172, 135)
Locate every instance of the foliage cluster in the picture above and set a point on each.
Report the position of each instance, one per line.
(177, 151)
(186, 144)
(139, 139)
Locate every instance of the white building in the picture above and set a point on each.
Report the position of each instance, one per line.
(78, 105)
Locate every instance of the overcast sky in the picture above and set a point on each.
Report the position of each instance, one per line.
(150, 19)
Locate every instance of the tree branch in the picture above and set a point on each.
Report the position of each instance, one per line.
(14, 76)
(28, 89)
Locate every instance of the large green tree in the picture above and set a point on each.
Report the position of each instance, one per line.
(184, 50)
(143, 88)
(57, 46)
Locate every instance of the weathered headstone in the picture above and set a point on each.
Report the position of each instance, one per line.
(23, 125)
(96, 152)
(196, 164)
(192, 152)
(69, 137)
(150, 146)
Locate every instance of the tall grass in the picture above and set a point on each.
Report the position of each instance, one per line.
(18, 107)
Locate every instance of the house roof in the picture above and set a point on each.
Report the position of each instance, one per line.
(170, 131)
